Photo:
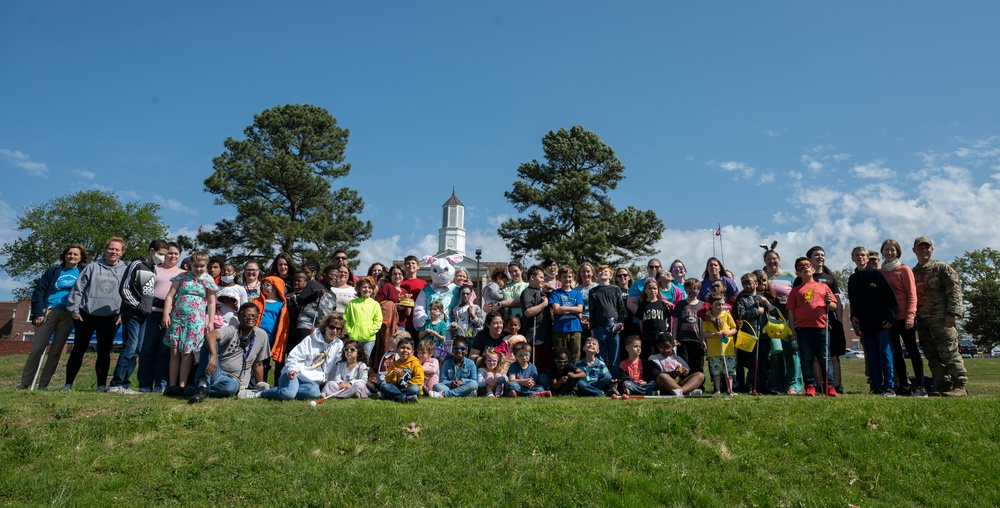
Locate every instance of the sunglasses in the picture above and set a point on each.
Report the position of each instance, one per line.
(341, 258)
(654, 267)
(622, 275)
(459, 348)
(524, 355)
(354, 349)
(334, 328)
(562, 361)
(677, 269)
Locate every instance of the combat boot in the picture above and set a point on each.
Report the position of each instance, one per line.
(957, 391)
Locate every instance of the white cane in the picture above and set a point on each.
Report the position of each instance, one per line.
(38, 370)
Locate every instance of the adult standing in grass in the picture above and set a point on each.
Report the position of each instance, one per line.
(49, 314)
(786, 370)
(714, 271)
(94, 303)
(873, 311)
(251, 280)
(231, 356)
(137, 291)
(939, 305)
(154, 355)
(283, 267)
(903, 331)
(343, 289)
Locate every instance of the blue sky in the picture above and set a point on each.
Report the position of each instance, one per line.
(833, 124)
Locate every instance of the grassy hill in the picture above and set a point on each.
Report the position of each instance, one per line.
(83, 449)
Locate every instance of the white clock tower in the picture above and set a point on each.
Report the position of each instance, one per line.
(451, 236)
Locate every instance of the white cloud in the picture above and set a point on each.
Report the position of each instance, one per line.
(497, 220)
(841, 156)
(811, 163)
(89, 175)
(102, 188)
(742, 169)
(173, 204)
(873, 170)
(23, 161)
(767, 177)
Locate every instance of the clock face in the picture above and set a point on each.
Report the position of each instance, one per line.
(451, 243)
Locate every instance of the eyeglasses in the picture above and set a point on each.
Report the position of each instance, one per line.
(524, 355)
(353, 349)
(654, 267)
(340, 258)
(459, 348)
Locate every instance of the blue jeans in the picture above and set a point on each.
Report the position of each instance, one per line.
(878, 355)
(608, 342)
(466, 389)
(392, 392)
(288, 389)
(814, 343)
(522, 391)
(646, 389)
(154, 356)
(220, 384)
(594, 388)
(133, 331)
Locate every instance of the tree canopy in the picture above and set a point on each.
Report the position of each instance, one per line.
(979, 271)
(571, 217)
(87, 217)
(280, 179)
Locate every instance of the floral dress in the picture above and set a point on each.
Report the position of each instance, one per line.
(188, 318)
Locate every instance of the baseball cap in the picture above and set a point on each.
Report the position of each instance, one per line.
(922, 239)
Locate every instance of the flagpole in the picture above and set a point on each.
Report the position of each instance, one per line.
(713, 246)
(722, 251)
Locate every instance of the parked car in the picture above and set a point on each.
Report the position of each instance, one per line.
(854, 353)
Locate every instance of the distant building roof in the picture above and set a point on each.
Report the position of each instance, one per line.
(453, 200)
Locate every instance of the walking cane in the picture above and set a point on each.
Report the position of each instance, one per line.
(38, 370)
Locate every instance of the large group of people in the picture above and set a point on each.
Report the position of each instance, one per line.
(201, 327)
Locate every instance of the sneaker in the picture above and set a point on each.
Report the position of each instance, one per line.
(955, 392)
(409, 398)
(831, 391)
(42, 388)
(121, 390)
(544, 393)
(840, 389)
(696, 392)
(490, 395)
(810, 391)
(200, 394)
(67, 388)
(247, 394)
(755, 393)
(656, 392)
(919, 391)
(145, 390)
(614, 391)
(436, 395)
(21, 387)
(889, 392)
(358, 395)
(261, 386)
(102, 389)
(513, 394)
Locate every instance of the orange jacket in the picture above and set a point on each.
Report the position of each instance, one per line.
(281, 333)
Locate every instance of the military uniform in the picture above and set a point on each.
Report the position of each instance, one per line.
(939, 294)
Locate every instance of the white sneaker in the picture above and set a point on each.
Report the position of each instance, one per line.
(436, 395)
(696, 392)
(121, 390)
(261, 386)
(102, 389)
(248, 394)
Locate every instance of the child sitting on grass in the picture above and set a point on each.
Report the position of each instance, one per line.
(350, 374)
(597, 380)
(405, 377)
(493, 374)
(458, 374)
(522, 377)
(377, 372)
(670, 375)
(630, 370)
(425, 353)
(719, 328)
(563, 375)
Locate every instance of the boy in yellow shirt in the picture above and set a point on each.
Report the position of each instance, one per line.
(406, 375)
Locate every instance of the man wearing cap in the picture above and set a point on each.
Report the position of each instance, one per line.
(939, 305)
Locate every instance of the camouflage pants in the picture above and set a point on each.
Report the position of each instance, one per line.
(940, 345)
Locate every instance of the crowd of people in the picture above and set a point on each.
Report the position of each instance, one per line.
(201, 327)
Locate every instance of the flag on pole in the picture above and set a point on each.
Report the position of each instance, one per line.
(201, 229)
(718, 232)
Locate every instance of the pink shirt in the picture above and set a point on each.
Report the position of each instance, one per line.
(163, 276)
(901, 280)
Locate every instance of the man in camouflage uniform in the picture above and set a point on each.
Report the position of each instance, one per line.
(939, 305)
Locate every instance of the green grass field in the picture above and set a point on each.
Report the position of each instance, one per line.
(82, 448)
